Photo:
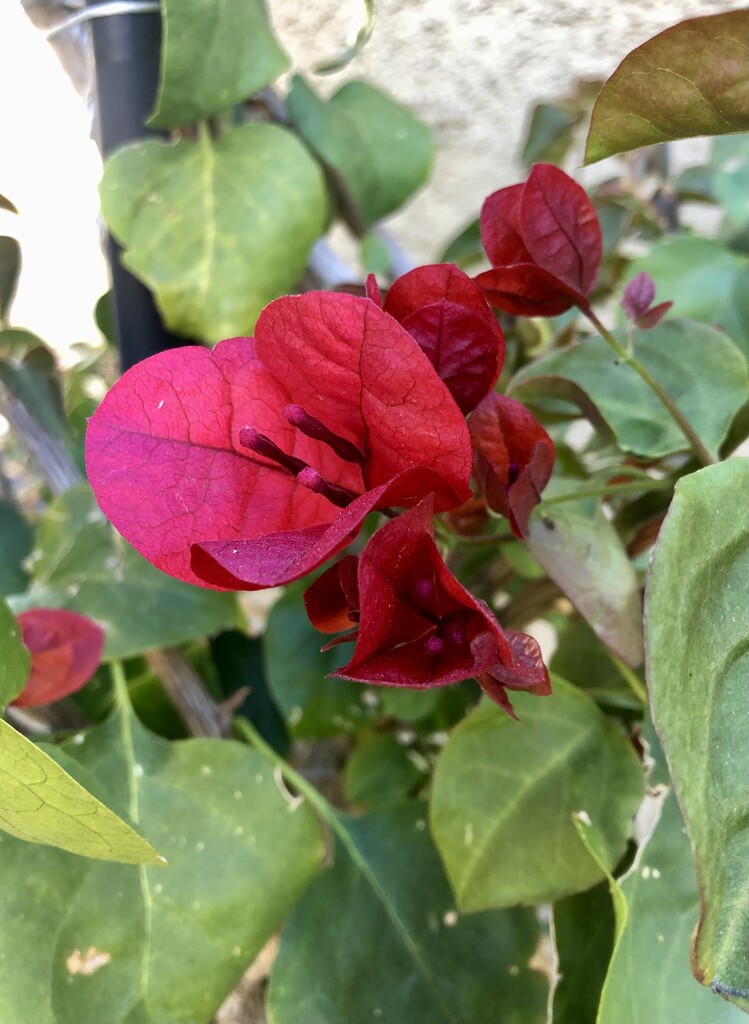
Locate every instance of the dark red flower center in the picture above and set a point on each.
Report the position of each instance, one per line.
(444, 627)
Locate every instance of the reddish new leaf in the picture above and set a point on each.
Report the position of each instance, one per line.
(448, 316)
(513, 458)
(544, 242)
(418, 626)
(65, 650)
(637, 302)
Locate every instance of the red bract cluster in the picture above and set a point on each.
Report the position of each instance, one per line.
(543, 240)
(65, 650)
(251, 465)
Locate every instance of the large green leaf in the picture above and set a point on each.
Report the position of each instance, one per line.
(582, 659)
(15, 545)
(378, 938)
(379, 772)
(213, 57)
(584, 555)
(653, 947)
(692, 79)
(381, 151)
(698, 366)
(14, 657)
(504, 794)
(42, 803)
(702, 278)
(216, 228)
(296, 670)
(82, 564)
(170, 943)
(697, 642)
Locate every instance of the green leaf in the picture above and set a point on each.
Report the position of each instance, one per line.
(312, 705)
(730, 157)
(697, 641)
(504, 794)
(379, 772)
(10, 265)
(700, 276)
(82, 564)
(213, 57)
(584, 555)
(381, 151)
(32, 377)
(583, 933)
(408, 705)
(662, 902)
(692, 79)
(238, 861)
(550, 134)
(466, 248)
(15, 545)
(15, 659)
(583, 660)
(389, 945)
(216, 228)
(698, 366)
(42, 803)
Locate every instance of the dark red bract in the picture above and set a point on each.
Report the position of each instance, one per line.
(526, 671)
(513, 458)
(448, 316)
(543, 240)
(66, 649)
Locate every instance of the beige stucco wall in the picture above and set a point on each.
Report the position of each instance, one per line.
(471, 69)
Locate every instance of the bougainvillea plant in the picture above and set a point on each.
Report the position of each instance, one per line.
(252, 465)
(353, 550)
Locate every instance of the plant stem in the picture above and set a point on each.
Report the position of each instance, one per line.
(674, 411)
(631, 679)
(247, 731)
(633, 486)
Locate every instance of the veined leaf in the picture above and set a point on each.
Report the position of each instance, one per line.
(15, 659)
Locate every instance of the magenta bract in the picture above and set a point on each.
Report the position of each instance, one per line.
(543, 240)
(233, 468)
(637, 302)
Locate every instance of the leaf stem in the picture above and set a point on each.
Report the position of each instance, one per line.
(631, 679)
(246, 730)
(674, 411)
(633, 486)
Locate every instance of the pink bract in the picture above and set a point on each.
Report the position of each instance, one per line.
(66, 649)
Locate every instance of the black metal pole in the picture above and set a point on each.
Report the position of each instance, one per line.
(126, 54)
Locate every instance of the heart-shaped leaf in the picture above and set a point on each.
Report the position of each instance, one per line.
(692, 79)
(213, 57)
(110, 942)
(216, 228)
(414, 958)
(504, 794)
(380, 150)
(697, 642)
